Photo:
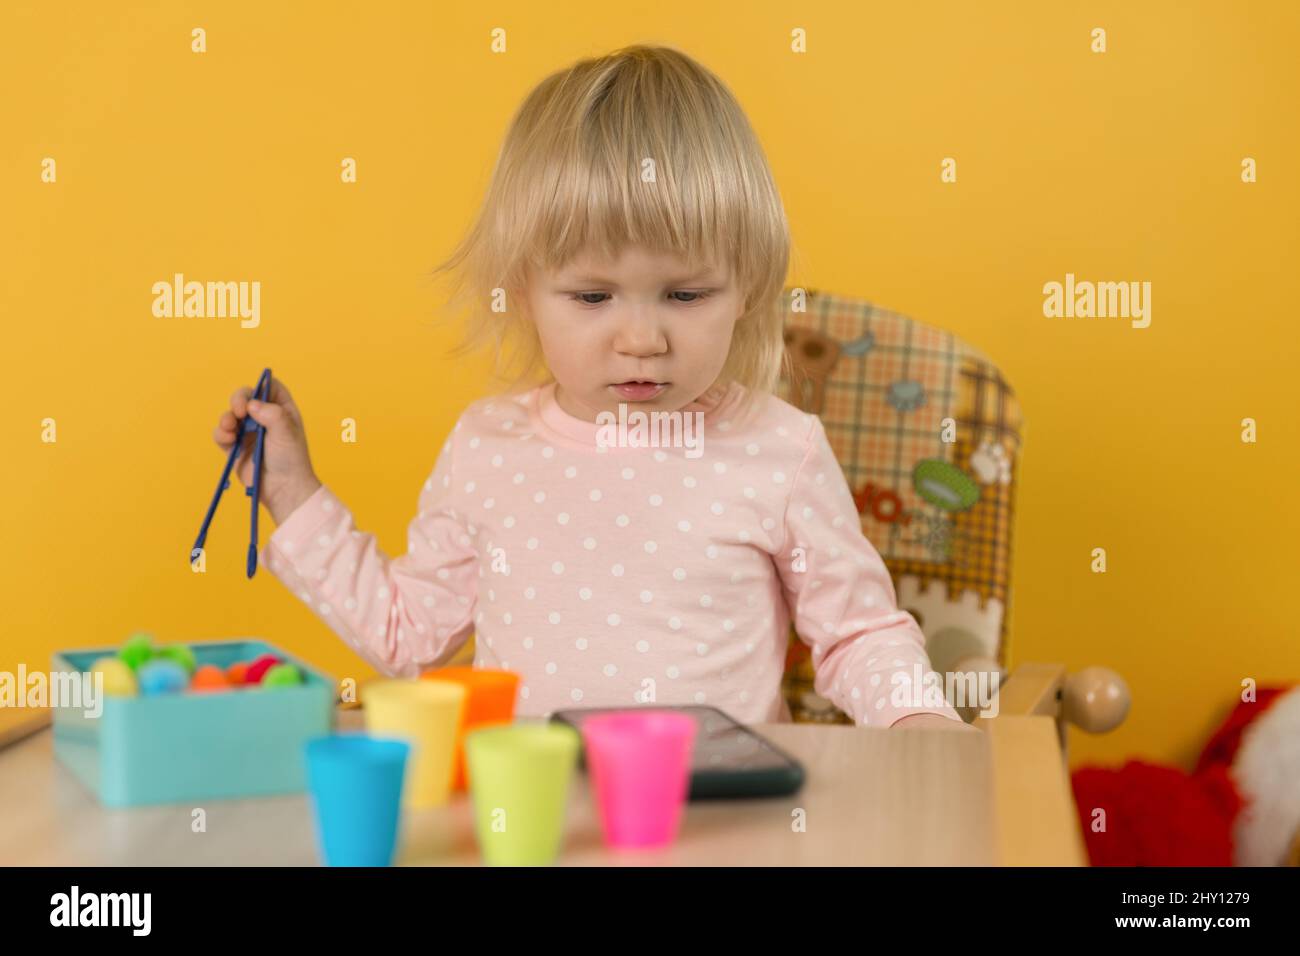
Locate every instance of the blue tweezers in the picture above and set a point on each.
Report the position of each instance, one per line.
(263, 394)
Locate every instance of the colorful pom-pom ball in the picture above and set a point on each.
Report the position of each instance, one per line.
(119, 679)
(180, 654)
(137, 650)
(282, 675)
(162, 677)
(257, 670)
(237, 673)
(208, 678)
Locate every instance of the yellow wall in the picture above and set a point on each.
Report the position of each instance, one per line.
(225, 166)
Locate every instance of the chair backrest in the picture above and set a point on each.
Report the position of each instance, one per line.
(927, 432)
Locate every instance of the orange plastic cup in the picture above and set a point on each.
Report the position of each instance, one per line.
(489, 699)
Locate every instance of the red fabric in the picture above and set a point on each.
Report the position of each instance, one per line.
(1222, 747)
(1159, 816)
(1218, 788)
(1156, 816)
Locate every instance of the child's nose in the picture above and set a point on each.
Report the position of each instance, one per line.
(641, 332)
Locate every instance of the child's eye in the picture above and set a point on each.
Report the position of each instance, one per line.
(581, 297)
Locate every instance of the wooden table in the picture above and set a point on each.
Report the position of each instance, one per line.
(872, 797)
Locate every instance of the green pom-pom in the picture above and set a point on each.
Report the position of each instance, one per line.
(181, 655)
(282, 675)
(137, 650)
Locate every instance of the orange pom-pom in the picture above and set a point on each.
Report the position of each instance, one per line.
(209, 677)
(237, 673)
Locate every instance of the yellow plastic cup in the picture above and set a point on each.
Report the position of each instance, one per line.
(519, 777)
(427, 714)
(491, 700)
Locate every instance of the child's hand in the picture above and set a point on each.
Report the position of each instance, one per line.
(935, 722)
(287, 476)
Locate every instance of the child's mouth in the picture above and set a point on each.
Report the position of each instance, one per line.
(639, 391)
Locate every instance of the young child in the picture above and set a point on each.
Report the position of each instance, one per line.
(632, 233)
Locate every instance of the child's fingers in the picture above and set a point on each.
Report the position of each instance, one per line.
(269, 414)
(226, 426)
(279, 392)
(239, 401)
(224, 437)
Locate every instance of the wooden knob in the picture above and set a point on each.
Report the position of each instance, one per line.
(1096, 700)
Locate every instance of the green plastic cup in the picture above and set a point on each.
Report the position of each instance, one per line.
(519, 776)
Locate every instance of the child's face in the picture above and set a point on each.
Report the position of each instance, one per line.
(643, 316)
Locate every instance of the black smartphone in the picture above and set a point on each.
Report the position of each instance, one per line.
(729, 760)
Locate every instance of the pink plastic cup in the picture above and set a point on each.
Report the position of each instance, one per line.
(639, 763)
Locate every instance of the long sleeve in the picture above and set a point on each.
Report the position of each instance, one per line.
(404, 614)
(867, 654)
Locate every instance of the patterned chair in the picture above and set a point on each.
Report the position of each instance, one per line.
(927, 432)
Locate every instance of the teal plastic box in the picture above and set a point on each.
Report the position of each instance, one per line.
(195, 746)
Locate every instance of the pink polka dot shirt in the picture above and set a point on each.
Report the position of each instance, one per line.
(612, 571)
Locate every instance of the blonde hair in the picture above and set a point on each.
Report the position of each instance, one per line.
(568, 178)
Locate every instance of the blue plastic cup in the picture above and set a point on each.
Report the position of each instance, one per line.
(356, 789)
